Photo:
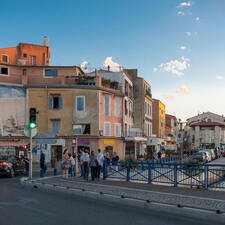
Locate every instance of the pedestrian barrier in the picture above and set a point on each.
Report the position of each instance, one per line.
(169, 173)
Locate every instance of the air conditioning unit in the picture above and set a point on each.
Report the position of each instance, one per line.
(100, 132)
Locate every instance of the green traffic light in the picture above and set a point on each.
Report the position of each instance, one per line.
(32, 125)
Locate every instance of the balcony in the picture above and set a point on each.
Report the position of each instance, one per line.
(85, 80)
(148, 93)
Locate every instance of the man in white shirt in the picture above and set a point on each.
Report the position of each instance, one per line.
(100, 160)
(72, 164)
(85, 159)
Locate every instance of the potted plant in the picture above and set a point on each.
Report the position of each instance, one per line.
(140, 157)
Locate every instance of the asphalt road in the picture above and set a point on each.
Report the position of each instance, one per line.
(20, 205)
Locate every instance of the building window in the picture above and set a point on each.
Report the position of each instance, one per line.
(126, 107)
(126, 130)
(24, 71)
(148, 109)
(81, 129)
(33, 60)
(107, 105)
(50, 72)
(25, 55)
(55, 102)
(5, 58)
(117, 129)
(55, 126)
(117, 107)
(107, 129)
(80, 103)
(4, 70)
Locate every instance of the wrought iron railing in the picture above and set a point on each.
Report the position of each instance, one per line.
(169, 172)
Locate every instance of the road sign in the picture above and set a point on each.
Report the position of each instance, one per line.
(27, 131)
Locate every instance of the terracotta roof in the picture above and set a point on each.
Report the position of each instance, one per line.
(207, 124)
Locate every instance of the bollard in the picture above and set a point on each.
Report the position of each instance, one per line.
(55, 172)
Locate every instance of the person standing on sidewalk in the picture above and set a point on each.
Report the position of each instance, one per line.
(80, 159)
(65, 164)
(72, 164)
(100, 160)
(115, 160)
(93, 165)
(42, 162)
(86, 159)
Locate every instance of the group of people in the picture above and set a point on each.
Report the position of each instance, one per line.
(88, 162)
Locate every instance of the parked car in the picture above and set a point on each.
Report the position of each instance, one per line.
(208, 155)
(213, 153)
(200, 156)
(11, 165)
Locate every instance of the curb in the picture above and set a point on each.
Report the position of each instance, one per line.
(124, 200)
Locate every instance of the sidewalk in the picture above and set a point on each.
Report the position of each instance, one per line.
(182, 197)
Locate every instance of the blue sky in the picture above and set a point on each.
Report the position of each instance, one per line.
(177, 46)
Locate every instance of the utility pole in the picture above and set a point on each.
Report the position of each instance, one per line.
(31, 159)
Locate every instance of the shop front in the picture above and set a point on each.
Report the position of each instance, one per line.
(112, 145)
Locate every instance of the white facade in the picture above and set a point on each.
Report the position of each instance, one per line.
(206, 129)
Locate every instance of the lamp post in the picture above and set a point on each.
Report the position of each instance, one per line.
(181, 139)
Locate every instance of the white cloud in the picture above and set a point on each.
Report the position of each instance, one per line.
(175, 67)
(180, 13)
(188, 33)
(185, 4)
(197, 19)
(113, 65)
(184, 90)
(220, 77)
(84, 65)
(183, 47)
(170, 97)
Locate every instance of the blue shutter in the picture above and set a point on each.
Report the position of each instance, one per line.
(55, 127)
(60, 102)
(50, 102)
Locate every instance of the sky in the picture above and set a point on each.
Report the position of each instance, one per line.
(177, 46)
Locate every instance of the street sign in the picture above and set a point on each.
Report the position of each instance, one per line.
(45, 141)
(27, 131)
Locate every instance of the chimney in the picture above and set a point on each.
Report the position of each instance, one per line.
(108, 67)
(45, 40)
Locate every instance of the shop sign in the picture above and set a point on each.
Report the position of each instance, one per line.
(83, 141)
(108, 142)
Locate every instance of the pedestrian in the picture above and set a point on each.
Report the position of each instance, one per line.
(42, 162)
(93, 165)
(159, 155)
(72, 164)
(80, 157)
(65, 164)
(26, 163)
(85, 160)
(100, 161)
(115, 160)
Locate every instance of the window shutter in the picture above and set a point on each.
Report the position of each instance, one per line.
(60, 102)
(50, 102)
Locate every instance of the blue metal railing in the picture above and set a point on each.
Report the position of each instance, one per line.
(170, 173)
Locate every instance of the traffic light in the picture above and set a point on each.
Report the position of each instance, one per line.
(32, 122)
(26, 148)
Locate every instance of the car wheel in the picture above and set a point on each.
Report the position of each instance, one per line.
(12, 174)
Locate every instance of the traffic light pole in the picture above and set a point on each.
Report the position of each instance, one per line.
(31, 158)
